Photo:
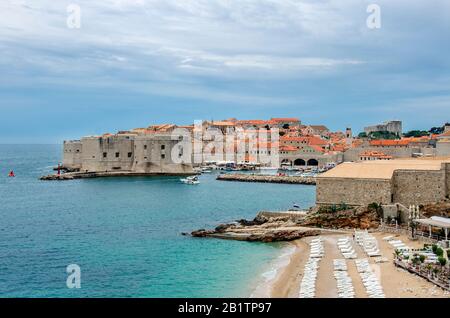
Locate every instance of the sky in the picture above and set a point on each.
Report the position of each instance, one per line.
(133, 63)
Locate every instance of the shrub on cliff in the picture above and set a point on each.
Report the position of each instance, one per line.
(442, 260)
(375, 207)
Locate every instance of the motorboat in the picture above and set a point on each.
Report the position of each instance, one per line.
(190, 180)
(206, 170)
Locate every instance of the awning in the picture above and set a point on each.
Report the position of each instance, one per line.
(436, 223)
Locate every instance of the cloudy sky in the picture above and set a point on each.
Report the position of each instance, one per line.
(137, 62)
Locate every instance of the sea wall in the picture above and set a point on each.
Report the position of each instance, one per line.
(267, 179)
(142, 154)
(72, 150)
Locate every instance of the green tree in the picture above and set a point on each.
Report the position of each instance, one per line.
(362, 135)
(416, 133)
(442, 260)
(434, 248)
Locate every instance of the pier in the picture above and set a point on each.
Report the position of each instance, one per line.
(267, 179)
(87, 175)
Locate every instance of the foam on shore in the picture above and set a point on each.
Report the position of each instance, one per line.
(275, 268)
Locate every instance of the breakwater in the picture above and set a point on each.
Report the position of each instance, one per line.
(267, 179)
(85, 175)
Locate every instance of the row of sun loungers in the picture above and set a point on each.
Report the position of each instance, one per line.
(368, 243)
(369, 279)
(346, 247)
(308, 283)
(430, 257)
(344, 282)
(397, 244)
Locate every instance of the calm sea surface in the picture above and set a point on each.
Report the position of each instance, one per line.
(125, 233)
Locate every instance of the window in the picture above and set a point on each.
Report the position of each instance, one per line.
(145, 146)
(105, 155)
(163, 147)
(130, 154)
(117, 155)
(163, 156)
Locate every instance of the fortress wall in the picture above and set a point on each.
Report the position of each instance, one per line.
(91, 153)
(72, 151)
(446, 168)
(153, 154)
(419, 187)
(443, 148)
(353, 191)
(95, 147)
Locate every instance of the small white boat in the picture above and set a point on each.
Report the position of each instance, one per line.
(206, 170)
(190, 180)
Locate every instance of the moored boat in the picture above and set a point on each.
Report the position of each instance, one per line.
(190, 180)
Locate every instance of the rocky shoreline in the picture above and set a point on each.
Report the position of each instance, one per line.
(284, 227)
(289, 225)
(267, 179)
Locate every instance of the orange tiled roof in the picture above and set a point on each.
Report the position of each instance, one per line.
(281, 120)
(223, 123)
(316, 141)
(288, 148)
(293, 138)
(319, 127)
(375, 154)
(251, 122)
(317, 148)
(383, 142)
(338, 147)
(309, 140)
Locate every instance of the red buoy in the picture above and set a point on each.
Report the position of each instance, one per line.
(11, 174)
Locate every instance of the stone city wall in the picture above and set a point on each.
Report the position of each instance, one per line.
(418, 187)
(352, 191)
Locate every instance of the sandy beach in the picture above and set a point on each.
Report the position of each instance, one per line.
(396, 283)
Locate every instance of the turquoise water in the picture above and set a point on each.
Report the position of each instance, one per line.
(125, 233)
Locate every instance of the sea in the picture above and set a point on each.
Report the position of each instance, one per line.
(125, 234)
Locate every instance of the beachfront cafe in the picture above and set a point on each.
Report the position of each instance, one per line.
(436, 228)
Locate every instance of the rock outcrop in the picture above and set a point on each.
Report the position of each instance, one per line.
(436, 209)
(259, 229)
(288, 227)
(350, 218)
